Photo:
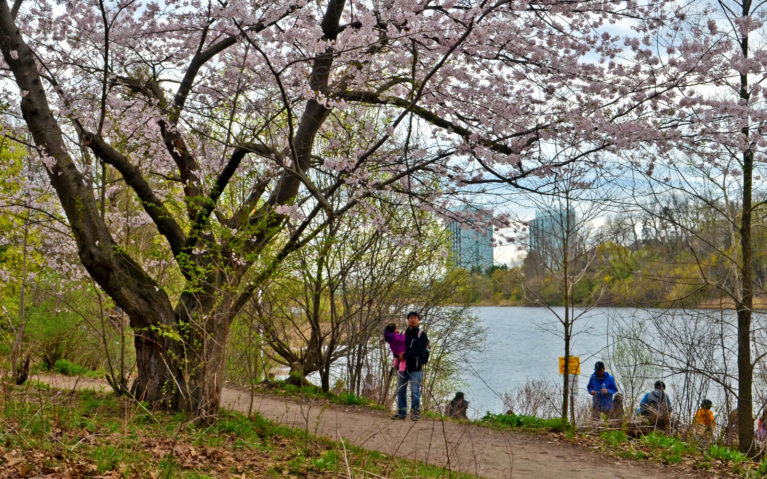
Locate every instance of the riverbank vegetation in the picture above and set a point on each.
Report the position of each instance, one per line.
(658, 270)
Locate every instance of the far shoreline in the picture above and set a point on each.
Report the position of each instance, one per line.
(723, 305)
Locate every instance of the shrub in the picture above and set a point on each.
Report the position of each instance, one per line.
(534, 398)
(68, 368)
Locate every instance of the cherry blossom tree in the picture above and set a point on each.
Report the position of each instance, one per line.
(221, 118)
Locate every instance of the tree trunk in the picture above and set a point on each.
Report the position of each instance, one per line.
(16, 349)
(156, 373)
(325, 378)
(745, 366)
(566, 322)
(745, 308)
(203, 370)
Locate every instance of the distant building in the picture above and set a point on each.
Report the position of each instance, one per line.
(548, 232)
(471, 245)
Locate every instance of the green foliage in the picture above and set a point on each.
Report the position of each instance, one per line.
(68, 368)
(670, 449)
(726, 454)
(310, 391)
(328, 461)
(107, 458)
(761, 470)
(654, 271)
(351, 399)
(507, 421)
(613, 438)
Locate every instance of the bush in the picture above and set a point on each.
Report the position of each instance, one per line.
(68, 368)
(761, 471)
(534, 398)
(351, 399)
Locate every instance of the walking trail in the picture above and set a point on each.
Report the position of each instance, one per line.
(455, 446)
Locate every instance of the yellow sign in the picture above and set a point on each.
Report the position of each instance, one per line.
(574, 365)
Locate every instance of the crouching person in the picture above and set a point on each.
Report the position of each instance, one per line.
(458, 406)
(655, 406)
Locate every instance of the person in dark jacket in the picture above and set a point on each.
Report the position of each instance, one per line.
(458, 406)
(416, 345)
(656, 406)
(602, 387)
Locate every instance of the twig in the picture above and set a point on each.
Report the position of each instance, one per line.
(346, 459)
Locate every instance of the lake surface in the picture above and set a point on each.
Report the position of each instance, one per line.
(526, 343)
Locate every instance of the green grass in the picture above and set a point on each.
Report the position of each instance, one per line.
(352, 400)
(68, 368)
(309, 391)
(508, 421)
(659, 447)
(107, 458)
(670, 449)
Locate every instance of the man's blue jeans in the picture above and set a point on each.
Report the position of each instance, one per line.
(414, 378)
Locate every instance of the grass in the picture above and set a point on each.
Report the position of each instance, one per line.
(69, 368)
(48, 432)
(658, 447)
(614, 438)
(510, 421)
(310, 391)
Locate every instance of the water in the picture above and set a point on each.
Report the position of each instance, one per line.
(525, 343)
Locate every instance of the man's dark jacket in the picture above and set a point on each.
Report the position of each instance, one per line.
(415, 347)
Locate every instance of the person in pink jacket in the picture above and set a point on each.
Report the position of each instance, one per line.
(396, 342)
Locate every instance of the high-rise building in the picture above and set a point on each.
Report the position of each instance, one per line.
(471, 244)
(548, 232)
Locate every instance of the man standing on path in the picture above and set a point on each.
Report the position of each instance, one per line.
(416, 350)
(602, 387)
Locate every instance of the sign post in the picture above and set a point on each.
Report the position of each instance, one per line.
(573, 370)
(574, 365)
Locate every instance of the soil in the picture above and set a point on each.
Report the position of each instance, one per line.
(456, 446)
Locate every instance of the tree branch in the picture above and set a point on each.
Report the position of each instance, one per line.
(203, 214)
(166, 225)
(375, 99)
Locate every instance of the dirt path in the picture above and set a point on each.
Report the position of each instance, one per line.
(459, 447)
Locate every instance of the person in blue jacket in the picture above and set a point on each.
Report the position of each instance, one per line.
(602, 387)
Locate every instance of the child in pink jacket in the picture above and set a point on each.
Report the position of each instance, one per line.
(396, 342)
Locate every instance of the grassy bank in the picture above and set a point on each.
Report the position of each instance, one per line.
(653, 447)
(66, 434)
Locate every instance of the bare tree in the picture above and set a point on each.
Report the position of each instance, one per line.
(562, 248)
(325, 304)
